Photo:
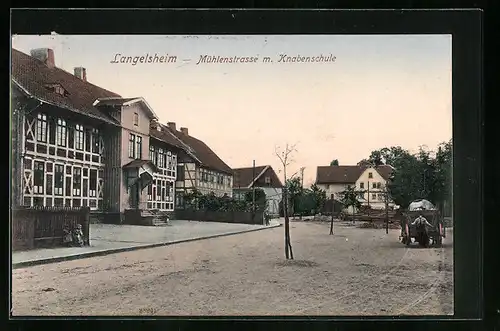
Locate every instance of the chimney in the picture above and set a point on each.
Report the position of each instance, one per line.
(46, 55)
(171, 125)
(185, 131)
(81, 73)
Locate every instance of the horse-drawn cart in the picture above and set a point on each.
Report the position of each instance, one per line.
(423, 224)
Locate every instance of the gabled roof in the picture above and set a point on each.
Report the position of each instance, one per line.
(32, 75)
(114, 101)
(166, 136)
(204, 154)
(244, 177)
(347, 174)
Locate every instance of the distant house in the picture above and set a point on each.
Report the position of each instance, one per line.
(370, 181)
(198, 167)
(263, 177)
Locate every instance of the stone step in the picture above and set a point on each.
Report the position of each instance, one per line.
(160, 222)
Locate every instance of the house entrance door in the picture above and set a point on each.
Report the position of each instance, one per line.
(135, 195)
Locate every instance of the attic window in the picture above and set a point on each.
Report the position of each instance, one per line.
(57, 88)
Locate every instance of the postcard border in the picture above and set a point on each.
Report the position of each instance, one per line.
(464, 25)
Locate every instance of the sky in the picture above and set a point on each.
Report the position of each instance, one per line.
(380, 91)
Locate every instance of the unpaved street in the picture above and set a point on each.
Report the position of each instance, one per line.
(354, 272)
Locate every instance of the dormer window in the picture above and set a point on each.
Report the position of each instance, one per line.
(57, 88)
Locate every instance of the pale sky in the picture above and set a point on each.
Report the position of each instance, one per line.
(382, 90)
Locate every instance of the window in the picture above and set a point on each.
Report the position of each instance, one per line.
(379, 185)
(95, 141)
(38, 173)
(56, 88)
(136, 119)
(77, 181)
(169, 160)
(48, 184)
(152, 154)
(61, 133)
(41, 128)
(161, 158)
(71, 136)
(59, 179)
(79, 134)
(158, 190)
(327, 186)
(374, 196)
(131, 146)
(267, 180)
(88, 138)
(361, 185)
(150, 192)
(332, 196)
(68, 187)
(139, 147)
(93, 183)
(370, 175)
(85, 189)
(374, 185)
(180, 172)
(52, 131)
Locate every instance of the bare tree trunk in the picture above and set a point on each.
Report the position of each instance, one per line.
(331, 225)
(285, 213)
(332, 210)
(290, 245)
(285, 161)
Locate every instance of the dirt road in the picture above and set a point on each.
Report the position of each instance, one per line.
(354, 272)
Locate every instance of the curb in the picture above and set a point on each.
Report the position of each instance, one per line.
(31, 263)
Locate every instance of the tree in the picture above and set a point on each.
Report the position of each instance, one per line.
(442, 180)
(285, 157)
(334, 162)
(191, 199)
(349, 198)
(386, 155)
(423, 175)
(260, 199)
(295, 191)
(319, 198)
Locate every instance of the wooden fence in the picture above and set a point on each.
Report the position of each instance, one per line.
(35, 227)
(219, 216)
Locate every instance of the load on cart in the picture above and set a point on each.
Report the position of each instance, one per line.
(422, 223)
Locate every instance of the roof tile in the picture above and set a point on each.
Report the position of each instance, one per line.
(33, 76)
(346, 174)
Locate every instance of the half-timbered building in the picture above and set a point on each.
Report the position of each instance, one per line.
(59, 147)
(199, 167)
(76, 144)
